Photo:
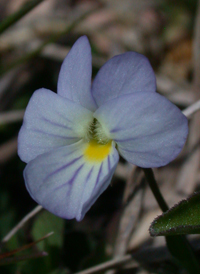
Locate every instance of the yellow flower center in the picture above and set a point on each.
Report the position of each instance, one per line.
(96, 152)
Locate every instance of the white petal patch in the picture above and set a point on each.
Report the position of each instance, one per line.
(51, 121)
(66, 183)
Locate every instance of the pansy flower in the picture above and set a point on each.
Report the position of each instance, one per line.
(71, 141)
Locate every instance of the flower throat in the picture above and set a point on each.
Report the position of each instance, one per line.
(97, 133)
(99, 145)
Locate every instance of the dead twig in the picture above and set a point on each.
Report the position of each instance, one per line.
(11, 116)
(131, 209)
(22, 223)
(192, 109)
(186, 182)
(176, 93)
(24, 247)
(109, 265)
(8, 150)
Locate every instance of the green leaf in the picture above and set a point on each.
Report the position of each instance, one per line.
(183, 218)
(46, 223)
(183, 254)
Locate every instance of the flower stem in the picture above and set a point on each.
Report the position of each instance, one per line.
(155, 189)
(178, 246)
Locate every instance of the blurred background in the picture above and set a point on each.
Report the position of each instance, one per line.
(31, 53)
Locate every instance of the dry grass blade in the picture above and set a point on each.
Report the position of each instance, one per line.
(188, 175)
(6, 80)
(10, 253)
(22, 223)
(192, 109)
(174, 92)
(16, 259)
(11, 116)
(7, 150)
(133, 198)
(108, 265)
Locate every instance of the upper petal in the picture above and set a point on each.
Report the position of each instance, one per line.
(123, 74)
(50, 121)
(74, 80)
(66, 182)
(149, 130)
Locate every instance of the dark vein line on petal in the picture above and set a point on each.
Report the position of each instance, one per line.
(124, 140)
(64, 117)
(115, 130)
(63, 167)
(55, 124)
(140, 152)
(98, 176)
(85, 183)
(81, 203)
(70, 181)
(108, 159)
(51, 134)
(75, 174)
(89, 174)
(143, 136)
(94, 194)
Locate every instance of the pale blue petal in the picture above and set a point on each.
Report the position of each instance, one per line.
(74, 80)
(67, 184)
(50, 121)
(149, 130)
(123, 74)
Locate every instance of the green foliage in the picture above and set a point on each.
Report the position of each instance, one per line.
(183, 218)
(46, 223)
(183, 254)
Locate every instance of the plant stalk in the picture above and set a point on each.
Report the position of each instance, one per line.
(178, 246)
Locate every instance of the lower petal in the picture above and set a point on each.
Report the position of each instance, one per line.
(68, 180)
